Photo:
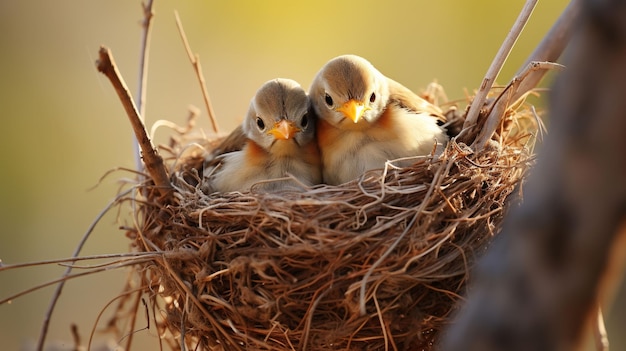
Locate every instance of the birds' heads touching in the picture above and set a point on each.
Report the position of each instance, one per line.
(279, 113)
(349, 90)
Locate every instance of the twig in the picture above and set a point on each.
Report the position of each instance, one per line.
(507, 98)
(133, 322)
(59, 289)
(143, 71)
(62, 261)
(152, 159)
(550, 48)
(536, 66)
(124, 295)
(498, 62)
(195, 61)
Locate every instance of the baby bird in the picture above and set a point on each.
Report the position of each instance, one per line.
(366, 119)
(275, 140)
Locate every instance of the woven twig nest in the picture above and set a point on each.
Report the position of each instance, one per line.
(375, 264)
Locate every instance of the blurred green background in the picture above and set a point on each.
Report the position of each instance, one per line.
(63, 126)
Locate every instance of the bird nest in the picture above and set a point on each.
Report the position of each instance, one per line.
(375, 264)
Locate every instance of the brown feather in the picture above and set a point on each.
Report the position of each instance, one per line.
(404, 97)
(235, 141)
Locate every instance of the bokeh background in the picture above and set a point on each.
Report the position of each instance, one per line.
(62, 126)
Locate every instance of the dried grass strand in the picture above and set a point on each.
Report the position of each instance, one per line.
(195, 62)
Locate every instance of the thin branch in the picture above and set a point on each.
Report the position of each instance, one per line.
(68, 270)
(63, 261)
(124, 295)
(152, 159)
(143, 71)
(65, 278)
(195, 61)
(535, 68)
(550, 48)
(498, 62)
(507, 98)
(133, 322)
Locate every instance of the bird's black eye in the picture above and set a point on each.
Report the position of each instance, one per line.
(373, 97)
(329, 100)
(305, 121)
(260, 124)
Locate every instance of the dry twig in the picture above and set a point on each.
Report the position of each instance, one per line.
(550, 48)
(536, 66)
(498, 61)
(195, 61)
(507, 98)
(143, 71)
(152, 159)
(57, 292)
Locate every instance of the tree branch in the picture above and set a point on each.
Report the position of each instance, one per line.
(152, 159)
(536, 287)
(143, 72)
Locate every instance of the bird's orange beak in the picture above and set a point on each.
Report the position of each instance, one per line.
(353, 109)
(284, 130)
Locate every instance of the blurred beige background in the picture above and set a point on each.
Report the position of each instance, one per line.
(63, 126)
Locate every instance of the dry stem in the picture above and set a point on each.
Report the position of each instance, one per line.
(195, 61)
(143, 71)
(507, 98)
(536, 66)
(152, 159)
(498, 62)
(550, 48)
(59, 289)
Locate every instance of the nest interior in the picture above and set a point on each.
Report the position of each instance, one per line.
(379, 263)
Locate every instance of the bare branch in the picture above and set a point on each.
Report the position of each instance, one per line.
(57, 292)
(143, 72)
(550, 48)
(498, 62)
(147, 8)
(538, 285)
(152, 159)
(507, 98)
(195, 61)
(535, 68)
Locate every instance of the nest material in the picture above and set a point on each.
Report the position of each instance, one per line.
(375, 264)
